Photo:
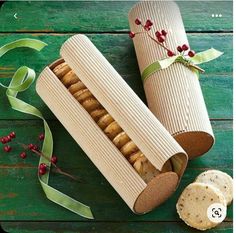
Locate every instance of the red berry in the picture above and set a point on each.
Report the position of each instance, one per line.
(7, 148)
(31, 146)
(163, 32)
(42, 171)
(149, 23)
(8, 138)
(54, 159)
(147, 28)
(43, 166)
(170, 53)
(12, 134)
(35, 147)
(191, 53)
(179, 48)
(3, 140)
(131, 35)
(158, 34)
(185, 47)
(41, 137)
(161, 39)
(137, 21)
(23, 155)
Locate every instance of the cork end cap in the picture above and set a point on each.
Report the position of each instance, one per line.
(195, 143)
(157, 191)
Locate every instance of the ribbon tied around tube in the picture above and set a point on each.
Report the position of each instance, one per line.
(190, 62)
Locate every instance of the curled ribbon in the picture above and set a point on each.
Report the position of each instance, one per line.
(21, 81)
(199, 58)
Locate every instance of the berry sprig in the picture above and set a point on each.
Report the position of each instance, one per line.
(182, 49)
(160, 35)
(42, 168)
(160, 39)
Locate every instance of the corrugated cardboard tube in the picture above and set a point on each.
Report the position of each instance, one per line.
(173, 94)
(126, 142)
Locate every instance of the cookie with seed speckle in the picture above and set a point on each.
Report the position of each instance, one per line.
(193, 204)
(220, 180)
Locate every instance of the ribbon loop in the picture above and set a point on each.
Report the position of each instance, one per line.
(192, 63)
(21, 81)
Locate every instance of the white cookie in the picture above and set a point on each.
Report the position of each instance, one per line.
(193, 204)
(220, 180)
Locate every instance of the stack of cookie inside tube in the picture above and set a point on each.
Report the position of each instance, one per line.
(109, 126)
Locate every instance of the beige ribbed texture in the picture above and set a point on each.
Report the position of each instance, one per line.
(91, 139)
(173, 94)
(119, 100)
(131, 114)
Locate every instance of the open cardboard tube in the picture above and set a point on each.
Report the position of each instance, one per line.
(114, 94)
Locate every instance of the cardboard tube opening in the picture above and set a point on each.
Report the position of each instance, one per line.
(179, 162)
(195, 143)
(56, 63)
(157, 191)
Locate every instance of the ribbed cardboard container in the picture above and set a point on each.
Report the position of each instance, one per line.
(174, 94)
(131, 114)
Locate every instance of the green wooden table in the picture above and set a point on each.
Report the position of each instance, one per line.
(23, 205)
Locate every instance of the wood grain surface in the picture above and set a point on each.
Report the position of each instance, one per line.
(23, 205)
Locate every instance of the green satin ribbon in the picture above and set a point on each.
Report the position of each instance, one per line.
(21, 81)
(199, 58)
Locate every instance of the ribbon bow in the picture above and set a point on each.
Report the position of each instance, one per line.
(191, 62)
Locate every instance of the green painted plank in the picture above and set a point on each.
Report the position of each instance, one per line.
(23, 199)
(118, 49)
(66, 148)
(18, 177)
(119, 227)
(100, 16)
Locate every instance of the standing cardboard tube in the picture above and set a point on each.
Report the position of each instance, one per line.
(173, 94)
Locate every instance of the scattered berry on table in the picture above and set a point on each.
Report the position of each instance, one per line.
(41, 137)
(54, 159)
(23, 155)
(12, 134)
(7, 148)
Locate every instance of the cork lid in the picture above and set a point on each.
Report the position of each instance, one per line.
(157, 191)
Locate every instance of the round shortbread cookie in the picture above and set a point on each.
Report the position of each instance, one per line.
(135, 156)
(69, 79)
(193, 204)
(91, 104)
(112, 130)
(98, 113)
(220, 180)
(76, 87)
(105, 121)
(61, 70)
(82, 95)
(121, 139)
(145, 169)
(129, 148)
